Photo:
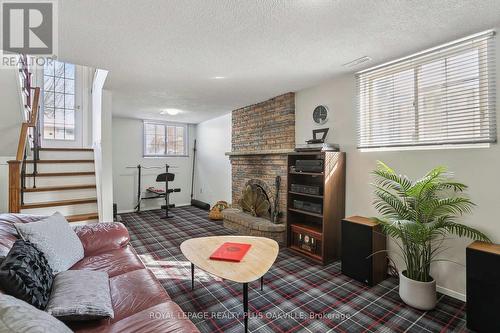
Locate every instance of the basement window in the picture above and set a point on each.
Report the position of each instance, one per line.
(435, 99)
(165, 139)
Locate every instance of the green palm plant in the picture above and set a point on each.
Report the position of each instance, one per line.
(419, 214)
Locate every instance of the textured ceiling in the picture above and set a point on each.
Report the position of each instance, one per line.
(165, 53)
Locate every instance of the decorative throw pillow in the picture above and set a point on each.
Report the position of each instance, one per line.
(80, 295)
(26, 274)
(56, 239)
(20, 317)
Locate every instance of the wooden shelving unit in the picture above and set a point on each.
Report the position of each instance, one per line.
(321, 230)
(315, 174)
(305, 212)
(306, 194)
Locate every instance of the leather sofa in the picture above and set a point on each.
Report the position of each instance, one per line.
(139, 301)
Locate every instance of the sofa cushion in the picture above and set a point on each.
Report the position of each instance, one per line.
(19, 316)
(164, 317)
(135, 291)
(20, 218)
(56, 239)
(26, 274)
(102, 237)
(114, 262)
(80, 295)
(8, 232)
(8, 235)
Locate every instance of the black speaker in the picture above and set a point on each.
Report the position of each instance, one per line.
(361, 238)
(483, 287)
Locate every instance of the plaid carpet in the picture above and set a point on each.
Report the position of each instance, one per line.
(298, 296)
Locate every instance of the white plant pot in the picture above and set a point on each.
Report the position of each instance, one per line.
(420, 295)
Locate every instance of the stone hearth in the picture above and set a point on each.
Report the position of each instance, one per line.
(246, 224)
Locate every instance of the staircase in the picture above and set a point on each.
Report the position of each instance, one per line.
(64, 181)
(43, 181)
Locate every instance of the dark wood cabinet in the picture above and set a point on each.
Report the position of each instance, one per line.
(316, 205)
(363, 250)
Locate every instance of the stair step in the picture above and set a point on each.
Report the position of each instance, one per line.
(59, 188)
(73, 154)
(60, 174)
(59, 203)
(65, 149)
(60, 161)
(82, 217)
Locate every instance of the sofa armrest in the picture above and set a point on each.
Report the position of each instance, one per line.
(102, 237)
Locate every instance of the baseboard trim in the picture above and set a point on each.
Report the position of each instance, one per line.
(150, 208)
(451, 293)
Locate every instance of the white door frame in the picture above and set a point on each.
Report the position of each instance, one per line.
(80, 109)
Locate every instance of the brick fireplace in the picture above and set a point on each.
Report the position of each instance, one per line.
(262, 136)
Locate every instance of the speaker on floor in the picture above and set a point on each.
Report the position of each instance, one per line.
(361, 238)
(483, 287)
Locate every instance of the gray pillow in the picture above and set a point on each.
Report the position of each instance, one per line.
(21, 317)
(80, 295)
(55, 238)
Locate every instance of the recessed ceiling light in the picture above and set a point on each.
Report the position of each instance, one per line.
(218, 77)
(171, 112)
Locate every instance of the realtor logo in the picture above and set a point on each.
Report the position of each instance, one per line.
(27, 27)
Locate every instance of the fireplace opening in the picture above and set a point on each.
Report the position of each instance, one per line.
(255, 201)
(257, 210)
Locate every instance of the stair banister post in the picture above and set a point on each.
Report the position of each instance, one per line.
(14, 186)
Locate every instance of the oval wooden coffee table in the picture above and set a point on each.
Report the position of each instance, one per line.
(253, 266)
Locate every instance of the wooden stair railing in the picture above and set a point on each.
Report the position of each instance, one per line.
(17, 166)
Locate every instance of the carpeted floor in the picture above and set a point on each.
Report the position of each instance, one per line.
(298, 296)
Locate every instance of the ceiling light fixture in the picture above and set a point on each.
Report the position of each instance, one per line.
(171, 112)
(357, 62)
(218, 77)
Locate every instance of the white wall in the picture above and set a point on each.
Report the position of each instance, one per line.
(107, 157)
(87, 78)
(11, 117)
(478, 168)
(102, 144)
(4, 183)
(11, 113)
(213, 169)
(128, 151)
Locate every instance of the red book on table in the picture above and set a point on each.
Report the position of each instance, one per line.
(231, 252)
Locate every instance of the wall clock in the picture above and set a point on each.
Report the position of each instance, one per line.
(320, 114)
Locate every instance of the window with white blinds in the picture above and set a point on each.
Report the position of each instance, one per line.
(442, 96)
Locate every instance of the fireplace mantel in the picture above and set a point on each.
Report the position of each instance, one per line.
(260, 152)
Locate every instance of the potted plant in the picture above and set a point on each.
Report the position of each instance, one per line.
(419, 214)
